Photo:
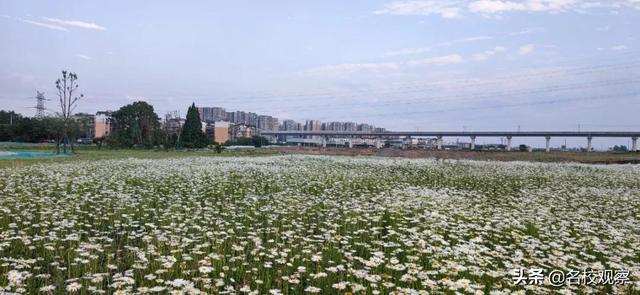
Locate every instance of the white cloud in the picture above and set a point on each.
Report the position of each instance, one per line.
(407, 51)
(526, 49)
(44, 25)
(619, 47)
(437, 61)
(476, 38)
(488, 7)
(352, 68)
(444, 8)
(464, 40)
(338, 70)
(85, 57)
(482, 56)
(74, 23)
(491, 6)
(455, 9)
(58, 24)
(522, 32)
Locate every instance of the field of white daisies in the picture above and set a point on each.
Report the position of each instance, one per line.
(314, 224)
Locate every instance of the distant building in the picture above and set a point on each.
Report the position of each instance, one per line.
(230, 116)
(290, 125)
(241, 131)
(350, 126)
(334, 126)
(87, 125)
(220, 131)
(240, 123)
(212, 114)
(267, 123)
(313, 125)
(240, 117)
(366, 128)
(102, 124)
(251, 119)
(172, 122)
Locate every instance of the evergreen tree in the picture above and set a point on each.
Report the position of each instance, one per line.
(192, 135)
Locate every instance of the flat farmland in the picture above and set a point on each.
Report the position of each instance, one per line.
(298, 224)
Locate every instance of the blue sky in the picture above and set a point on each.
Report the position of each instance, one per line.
(404, 65)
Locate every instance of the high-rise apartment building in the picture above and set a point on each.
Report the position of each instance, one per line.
(212, 114)
(252, 119)
(334, 126)
(350, 126)
(272, 123)
(263, 122)
(313, 125)
(365, 128)
(290, 125)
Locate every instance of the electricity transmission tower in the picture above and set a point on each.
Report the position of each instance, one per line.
(40, 105)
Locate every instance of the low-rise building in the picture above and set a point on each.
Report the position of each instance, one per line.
(87, 125)
(220, 132)
(102, 124)
(241, 131)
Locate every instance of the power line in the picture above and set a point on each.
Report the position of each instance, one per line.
(40, 108)
(541, 102)
(420, 86)
(469, 98)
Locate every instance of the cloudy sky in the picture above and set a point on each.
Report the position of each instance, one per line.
(404, 65)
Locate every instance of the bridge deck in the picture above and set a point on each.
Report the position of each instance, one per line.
(463, 133)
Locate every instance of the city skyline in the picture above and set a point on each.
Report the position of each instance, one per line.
(402, 65)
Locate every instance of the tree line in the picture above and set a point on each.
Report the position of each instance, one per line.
(135, 125)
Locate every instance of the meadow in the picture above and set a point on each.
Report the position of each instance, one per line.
(304, 224)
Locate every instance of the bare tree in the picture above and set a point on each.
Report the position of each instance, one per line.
(67, 87)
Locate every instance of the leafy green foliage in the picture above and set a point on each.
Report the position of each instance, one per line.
(136, 125)
(15, 127)
(192, 135)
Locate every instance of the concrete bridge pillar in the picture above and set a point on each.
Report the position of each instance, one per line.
(634, 144)
(473, 142)
(508, 143)
(350, 143)
(589, 144)
(439, 141)
(548, 139)
(324, 141)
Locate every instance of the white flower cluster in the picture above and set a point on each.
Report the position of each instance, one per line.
(313, 224)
